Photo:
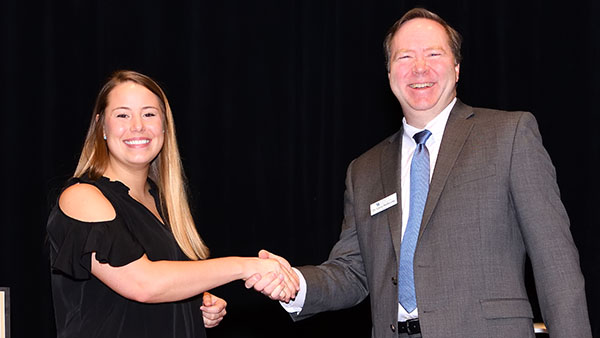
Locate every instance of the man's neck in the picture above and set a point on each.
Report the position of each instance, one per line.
(420, 119)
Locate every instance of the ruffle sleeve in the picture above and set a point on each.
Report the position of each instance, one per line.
(73, 241)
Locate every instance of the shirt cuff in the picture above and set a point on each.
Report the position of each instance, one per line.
(295, 305)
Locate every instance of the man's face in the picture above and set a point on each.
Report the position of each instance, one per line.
(423, 73)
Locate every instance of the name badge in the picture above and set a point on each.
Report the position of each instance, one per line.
(384, 203)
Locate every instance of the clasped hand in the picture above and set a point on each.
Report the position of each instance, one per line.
(282, 284)
(213, 309)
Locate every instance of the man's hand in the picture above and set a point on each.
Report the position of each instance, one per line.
(213, 310)
(270, 284)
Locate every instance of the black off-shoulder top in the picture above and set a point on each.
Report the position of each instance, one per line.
(84, 306)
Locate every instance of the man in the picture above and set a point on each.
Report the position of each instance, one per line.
(439, 217)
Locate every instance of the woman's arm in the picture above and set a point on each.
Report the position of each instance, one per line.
(164, 281)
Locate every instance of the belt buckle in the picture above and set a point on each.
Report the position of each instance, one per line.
(412, 326)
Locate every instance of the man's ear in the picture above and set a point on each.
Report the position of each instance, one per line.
(457, 71)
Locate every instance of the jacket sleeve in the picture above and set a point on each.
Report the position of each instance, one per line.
(545, 227)
(340, 282)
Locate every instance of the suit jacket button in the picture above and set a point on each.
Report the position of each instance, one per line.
(395, 280)
(393, 327)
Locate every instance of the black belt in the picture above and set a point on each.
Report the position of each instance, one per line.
(410, 326)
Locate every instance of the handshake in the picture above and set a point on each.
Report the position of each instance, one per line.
(274, 278)
(268, 274)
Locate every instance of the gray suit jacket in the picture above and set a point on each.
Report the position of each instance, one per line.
(493, 199)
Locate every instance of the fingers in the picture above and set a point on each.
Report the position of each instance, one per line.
(271, 278)
(279, 281)
(252, 280)
(292, 281)
(210, 322)
(263, 254)
(288, 284)
(272, 285)
(207, 299)
(213, 310)
(279, 292)
(266, 254)
(275, 287)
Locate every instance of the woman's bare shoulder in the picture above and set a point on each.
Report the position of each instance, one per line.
(86, 203)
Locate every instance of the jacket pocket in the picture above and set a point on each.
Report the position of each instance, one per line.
(471, 175)
(506, 308)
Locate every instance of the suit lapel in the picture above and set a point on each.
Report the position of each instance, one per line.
(390, 177)
(456, 132)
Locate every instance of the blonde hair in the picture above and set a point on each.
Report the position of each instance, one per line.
(165, 170)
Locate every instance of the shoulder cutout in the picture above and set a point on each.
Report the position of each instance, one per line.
(85, 202)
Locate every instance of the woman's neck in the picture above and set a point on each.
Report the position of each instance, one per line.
(135, 180)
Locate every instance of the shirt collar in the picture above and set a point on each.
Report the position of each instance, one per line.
(435, 126)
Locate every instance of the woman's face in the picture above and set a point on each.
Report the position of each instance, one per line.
(133, 126)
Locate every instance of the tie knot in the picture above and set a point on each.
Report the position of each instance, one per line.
(422, 136)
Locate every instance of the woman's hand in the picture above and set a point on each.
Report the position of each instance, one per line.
(213, 310)
(276, 285)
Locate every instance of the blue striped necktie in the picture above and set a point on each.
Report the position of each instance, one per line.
(419, 186)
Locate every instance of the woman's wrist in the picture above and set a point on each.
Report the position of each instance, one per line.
(248, 267)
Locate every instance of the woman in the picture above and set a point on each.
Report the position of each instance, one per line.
(126, 256)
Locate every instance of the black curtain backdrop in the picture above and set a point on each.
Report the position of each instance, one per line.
(272, 100)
